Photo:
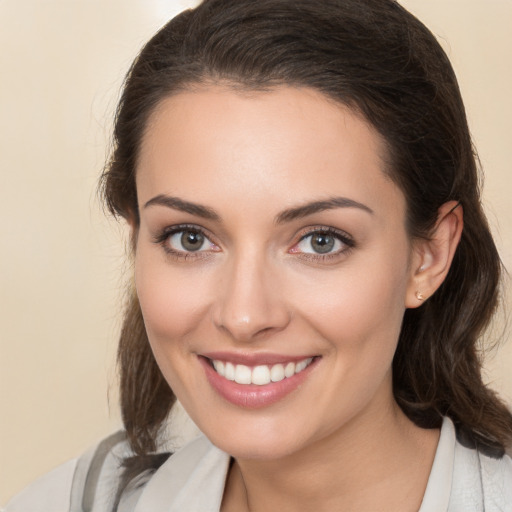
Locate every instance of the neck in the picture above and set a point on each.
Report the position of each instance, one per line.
(376, 459)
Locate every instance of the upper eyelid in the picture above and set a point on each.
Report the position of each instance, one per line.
(305, 232)
(170, 230)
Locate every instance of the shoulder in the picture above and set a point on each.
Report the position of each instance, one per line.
(90, 482)
(481, 480)
(193, 478)
(497, 482)
(66, 487)
(464, 479)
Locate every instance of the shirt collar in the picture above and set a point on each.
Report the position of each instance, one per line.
(193, 478)
(437, 493)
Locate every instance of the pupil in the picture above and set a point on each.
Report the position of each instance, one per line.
(192, 241)
(322, 243)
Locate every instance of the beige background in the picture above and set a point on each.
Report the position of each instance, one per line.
(61, 261)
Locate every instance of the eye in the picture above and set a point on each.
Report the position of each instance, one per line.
(320, 243)
(323, 242)
(188, 240)
(185, 241)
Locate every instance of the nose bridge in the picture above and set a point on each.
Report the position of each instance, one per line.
(250, 301)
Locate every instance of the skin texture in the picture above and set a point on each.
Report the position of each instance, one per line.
(257, 286)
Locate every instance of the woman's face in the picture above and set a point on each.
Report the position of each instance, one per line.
(272, 246)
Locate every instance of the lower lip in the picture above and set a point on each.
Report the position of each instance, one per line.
(252, 396)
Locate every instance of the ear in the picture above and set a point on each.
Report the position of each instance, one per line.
(432, 257)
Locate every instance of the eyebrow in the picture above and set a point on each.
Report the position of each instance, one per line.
(320, 206)
(287, 215)
(184, 206)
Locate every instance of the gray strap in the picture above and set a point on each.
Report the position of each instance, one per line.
(87, 473)
(484, 490)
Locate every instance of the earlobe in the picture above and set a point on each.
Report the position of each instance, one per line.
(432, 257)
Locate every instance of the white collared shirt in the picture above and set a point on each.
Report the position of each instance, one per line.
(193, 480)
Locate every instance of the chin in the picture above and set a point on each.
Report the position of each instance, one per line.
(260, 438)
(260, 448)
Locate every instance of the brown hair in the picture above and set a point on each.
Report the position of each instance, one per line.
(375, 57)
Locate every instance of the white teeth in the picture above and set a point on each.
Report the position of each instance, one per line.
(242, 374)
(277, 372)
(289, 370)
(219, 368)
(230, 371)
(259, 375)
(302, 365)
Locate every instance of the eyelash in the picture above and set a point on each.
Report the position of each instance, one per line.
(339, 235)
(348, 242)
(163, 237)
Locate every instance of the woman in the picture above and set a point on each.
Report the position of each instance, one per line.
(312, 272)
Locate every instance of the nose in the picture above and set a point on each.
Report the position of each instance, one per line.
(250, 303)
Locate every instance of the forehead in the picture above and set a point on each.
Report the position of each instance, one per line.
(285, 145)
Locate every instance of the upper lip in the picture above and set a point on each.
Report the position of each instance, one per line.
(254, 359)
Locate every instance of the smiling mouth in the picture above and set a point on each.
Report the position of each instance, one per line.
(260, 375)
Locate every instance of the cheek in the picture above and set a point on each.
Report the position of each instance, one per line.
(359, 318)
(172, 303)
(359, 308)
